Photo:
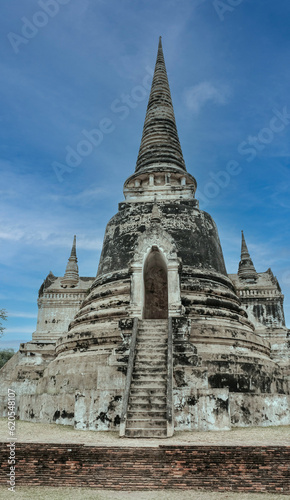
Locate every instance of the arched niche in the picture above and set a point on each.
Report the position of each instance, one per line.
(155, 237)
(155, 276)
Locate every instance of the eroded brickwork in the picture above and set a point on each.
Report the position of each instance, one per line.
(245, 469)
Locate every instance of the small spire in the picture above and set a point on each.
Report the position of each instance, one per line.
(71, 276)
(160, 144)
(74, 248)
(246, 267)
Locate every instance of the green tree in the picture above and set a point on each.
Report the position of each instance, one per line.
(3, 316)
(5, 355)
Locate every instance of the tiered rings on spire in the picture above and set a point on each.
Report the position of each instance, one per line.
(71, 276)
(160, 143)
(246, 267)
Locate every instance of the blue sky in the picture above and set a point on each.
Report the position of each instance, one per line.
(68, 67)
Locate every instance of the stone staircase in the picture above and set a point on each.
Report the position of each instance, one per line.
(146, 414)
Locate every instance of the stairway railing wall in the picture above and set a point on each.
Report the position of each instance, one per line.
(130, 367)
(169, 399)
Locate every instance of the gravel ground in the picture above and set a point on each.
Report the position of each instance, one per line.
(23, 493)
(52, 433)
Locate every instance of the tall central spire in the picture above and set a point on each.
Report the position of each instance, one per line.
(160, 144)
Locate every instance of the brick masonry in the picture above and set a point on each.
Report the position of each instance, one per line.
(229, 468)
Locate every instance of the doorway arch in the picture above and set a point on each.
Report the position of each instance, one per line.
(155, 277)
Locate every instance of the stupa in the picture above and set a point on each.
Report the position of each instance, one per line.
(162, 339)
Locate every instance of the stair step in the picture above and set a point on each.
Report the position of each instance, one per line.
(149, 391)
(142, 423)
(146, 386)
(159, 401)
(154, 328)
(157, 329)
(151, 348)
(159, 382)
(153, 373)
(143, 396)
(142, 367)
(150, 378)
(149, 374)
(144, 363)
(152, 321)
(152, 341)
(144, 405)
(147, 383)
(153, 332)
(150, 364)
(148, 369)
(144, 344)
(145, 415)
(140, 385)
(154, 354)
(146, 433)
(150, 351)
(157, 356)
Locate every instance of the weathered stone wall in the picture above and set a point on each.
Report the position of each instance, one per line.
(23, 372)
(201, 409)
(193, 231)
(47, 408)
(82, 386)
(259, 409)
(57, 307)
(262, 299)
(100, 409)
(214, 367)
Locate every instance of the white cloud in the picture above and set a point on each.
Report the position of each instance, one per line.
(83, 197)
(21, 315)
(23, 222)
(11, 344)
(196, 97)
(20, 330)
(36, 237)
